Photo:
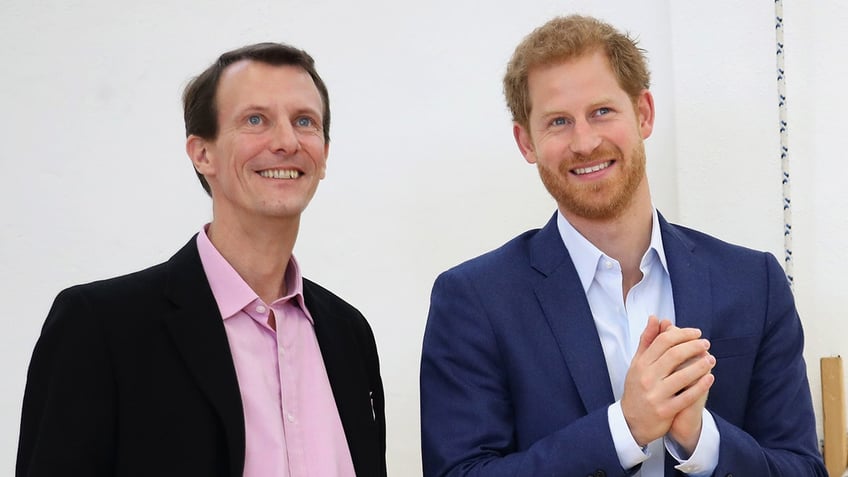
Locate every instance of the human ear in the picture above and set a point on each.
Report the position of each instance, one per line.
(196, 148)
(524, 142)
(323, 172)
(645, 113)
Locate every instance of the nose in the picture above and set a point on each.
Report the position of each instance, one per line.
(584, 139)
(284, 139)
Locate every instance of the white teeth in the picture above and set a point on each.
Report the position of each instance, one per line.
(586, 170)
(280, 174)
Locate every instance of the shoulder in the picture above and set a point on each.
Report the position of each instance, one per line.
(118, 289)
(711, 247)
(739, 267)
(140, 293)
(512, 255)
(327, 308)
(335, 317)
(183, 265)
(316, 295)
(88, 301)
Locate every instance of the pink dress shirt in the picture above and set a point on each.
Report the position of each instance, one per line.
(292, 425)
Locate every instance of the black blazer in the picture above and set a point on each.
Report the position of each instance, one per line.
(133, 376)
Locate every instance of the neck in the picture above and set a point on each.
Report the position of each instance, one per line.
(259, 252)
(625, 237)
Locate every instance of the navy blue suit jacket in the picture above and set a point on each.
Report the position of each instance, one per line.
(514, 382)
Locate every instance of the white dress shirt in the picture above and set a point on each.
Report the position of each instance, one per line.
(620, 323)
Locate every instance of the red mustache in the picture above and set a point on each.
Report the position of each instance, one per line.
(604, 152)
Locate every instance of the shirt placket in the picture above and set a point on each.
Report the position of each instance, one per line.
(608, 276)
(287, 349)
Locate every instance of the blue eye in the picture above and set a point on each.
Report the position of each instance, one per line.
(304, 122)
(558, 122)
(603, 111)
(254, 120)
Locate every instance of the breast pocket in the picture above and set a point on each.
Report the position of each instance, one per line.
(735, 358)
(734, 362)
(733, 347)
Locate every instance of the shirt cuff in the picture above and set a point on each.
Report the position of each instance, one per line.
(704, 460)
(630, 454)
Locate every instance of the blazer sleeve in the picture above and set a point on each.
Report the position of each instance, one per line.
(468, 422)
(68, 416)
(778, 435)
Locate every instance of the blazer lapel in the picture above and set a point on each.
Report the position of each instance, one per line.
(567, 311)
(348, 379)
(198, 331)
(690, 280)
(335, 352)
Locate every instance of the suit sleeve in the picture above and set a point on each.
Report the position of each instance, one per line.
(778, 436)
(68, 416)
(467, 417)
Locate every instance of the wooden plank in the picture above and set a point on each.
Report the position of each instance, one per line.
(833, 405)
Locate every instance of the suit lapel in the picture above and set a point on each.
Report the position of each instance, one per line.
(567, 311)
(690, 280)
(330, 334)
(348, 378)
(198, 331)
(691, 290)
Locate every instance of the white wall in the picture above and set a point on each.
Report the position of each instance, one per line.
(728, 145)
(815, 38)
(423, 172)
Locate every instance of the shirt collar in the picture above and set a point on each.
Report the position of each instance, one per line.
(586, 256)
(231, 292)
(656, 239)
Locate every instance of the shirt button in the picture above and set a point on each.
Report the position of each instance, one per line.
(608, 264)
(290, 417)
(261, 309)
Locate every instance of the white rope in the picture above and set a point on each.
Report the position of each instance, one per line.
(784, 144)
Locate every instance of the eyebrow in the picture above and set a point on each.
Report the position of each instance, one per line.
(603, 102)
(252, 107)
(265, 109)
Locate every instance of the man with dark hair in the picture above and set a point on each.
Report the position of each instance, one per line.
(547, 357)
(199, 108)
(224, 360)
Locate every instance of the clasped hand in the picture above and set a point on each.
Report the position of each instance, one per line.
(666, 387)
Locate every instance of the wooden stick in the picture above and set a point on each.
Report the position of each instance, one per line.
(833, 405)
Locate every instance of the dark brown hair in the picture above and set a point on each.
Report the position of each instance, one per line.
(200, 111)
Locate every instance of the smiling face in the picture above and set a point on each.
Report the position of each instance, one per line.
(585, 134)
(270, 152)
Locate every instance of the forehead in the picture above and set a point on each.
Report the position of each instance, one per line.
(249, 82)
(584, 77)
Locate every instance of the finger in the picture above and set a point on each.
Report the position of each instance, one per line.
(686, 376)
(684, 355)
(668, 340)
(649, 334)
(693, 394)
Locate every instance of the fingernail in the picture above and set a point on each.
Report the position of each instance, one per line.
(711, 359)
